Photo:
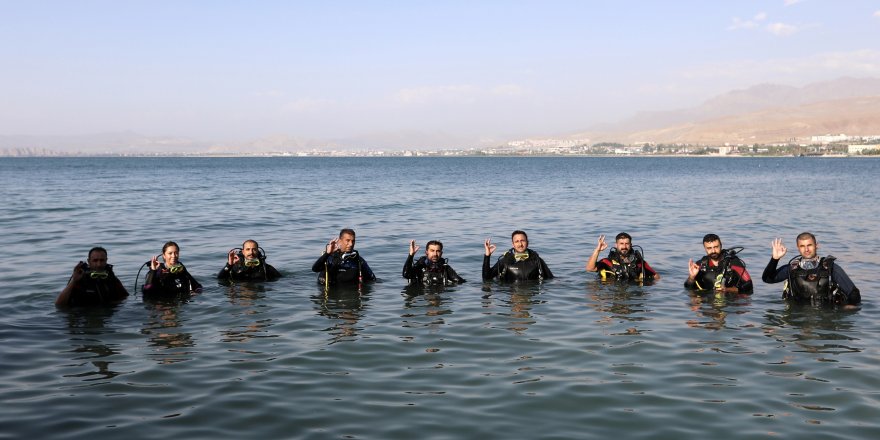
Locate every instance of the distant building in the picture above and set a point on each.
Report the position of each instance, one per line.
(829, 138)
(858, 149)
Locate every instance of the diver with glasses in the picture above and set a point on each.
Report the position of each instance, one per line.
(169, 277)
(340, 263)
(92, 283)
(247, 263)
(808, 277)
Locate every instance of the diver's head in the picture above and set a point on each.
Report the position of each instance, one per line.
(807, 245)
(346, 240)
(250, 250)
(623, 243)
(712, 244)
(434, 251)
(520, 241)
(171, 253)
(97, 259)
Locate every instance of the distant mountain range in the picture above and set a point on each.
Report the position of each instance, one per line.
(766, 113)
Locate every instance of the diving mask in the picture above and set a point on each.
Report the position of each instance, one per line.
(809, 264)
(99, 275)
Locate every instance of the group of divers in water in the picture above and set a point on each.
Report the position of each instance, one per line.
(808, 277)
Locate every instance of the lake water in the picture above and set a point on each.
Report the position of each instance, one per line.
(569, 358)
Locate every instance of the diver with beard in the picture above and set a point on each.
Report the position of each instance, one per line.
(517, 264)
(340, 263)
(248, 264)
(92, 283)
(719, 270)
(808, 277)
(622, 263)
(431, 269)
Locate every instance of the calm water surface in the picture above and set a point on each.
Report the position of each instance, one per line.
(569, 358)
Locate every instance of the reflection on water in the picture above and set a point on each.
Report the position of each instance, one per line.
(165, 331)
(619, 303)
(812, 329)
(87, 328)
(344, 307)
(513, 301)
(425, 301)
(712, 308)
(247, 297)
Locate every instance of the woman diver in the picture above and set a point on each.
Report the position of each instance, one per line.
(169, 278)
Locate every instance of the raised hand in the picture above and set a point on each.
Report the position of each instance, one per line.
(489, 247)
(778, 249)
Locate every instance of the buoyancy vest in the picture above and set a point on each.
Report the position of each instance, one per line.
(715, 277)
(342, 268)
(623, 270)
(95, 291)
(169, 283)
(814, 284)
(241, 271)
(528, 269)
(433, 274)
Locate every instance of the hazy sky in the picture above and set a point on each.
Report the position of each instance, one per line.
(239, 70)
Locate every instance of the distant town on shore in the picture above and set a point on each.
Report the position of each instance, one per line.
(762, 120)
(822, 145)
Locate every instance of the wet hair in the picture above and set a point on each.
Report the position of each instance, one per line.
(623, 235)
(256, 245)
(348, 231)
(518, 232)
(434, 242)
(97, 249)
(806, 235)
(168, 245)
(709, 238)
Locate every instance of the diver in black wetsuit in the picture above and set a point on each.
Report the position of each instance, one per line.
(92, 283)
(622, 262)
(517, 264)
(341, 263)
(810, 278)
(720, 270)
(248, 264)
(169, 278)
(431, 269)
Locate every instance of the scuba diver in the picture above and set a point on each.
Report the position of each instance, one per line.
(431, 269)
(809, 278)
(622, 263)
(248, 264)
(719, 270)
(517, 264)
(169, 278)
(92, 283)
(340, 263)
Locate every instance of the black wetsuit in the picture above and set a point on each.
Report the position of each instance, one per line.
(163, 283)
(89, 291)
(429, 273)
(240, 272)
(507, 268)
(827, 282)
(730, 272)
(348, 268)
(615, 266)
